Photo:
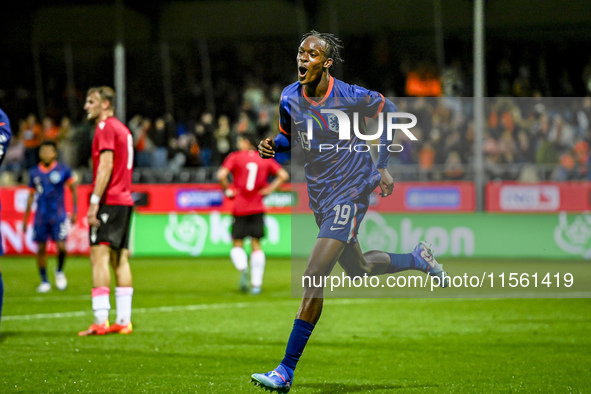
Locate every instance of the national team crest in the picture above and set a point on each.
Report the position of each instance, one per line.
(55, 177)
(333, 123)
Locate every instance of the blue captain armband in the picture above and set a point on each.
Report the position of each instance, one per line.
(282, 143)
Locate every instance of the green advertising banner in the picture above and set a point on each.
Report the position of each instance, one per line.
(556, 236)
(207, 234)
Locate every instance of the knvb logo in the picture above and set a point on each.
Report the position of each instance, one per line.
(338, 122)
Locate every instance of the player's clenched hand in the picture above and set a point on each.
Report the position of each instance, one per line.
(267, 148)
(91, 216)
(386, 183)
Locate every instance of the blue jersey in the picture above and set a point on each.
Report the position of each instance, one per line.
(49, 184)
(5, 134)
(337, 170)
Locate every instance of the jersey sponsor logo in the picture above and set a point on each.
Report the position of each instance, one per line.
(55, 177)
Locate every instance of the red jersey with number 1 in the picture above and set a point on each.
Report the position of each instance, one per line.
(250, 173)
(113, 135)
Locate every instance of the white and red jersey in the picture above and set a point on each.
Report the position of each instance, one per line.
(113, 135)
(250, 173)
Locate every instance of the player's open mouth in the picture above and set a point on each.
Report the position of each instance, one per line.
(302, 71)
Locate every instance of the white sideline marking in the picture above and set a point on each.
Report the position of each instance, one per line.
(177, 308)
(338, 301)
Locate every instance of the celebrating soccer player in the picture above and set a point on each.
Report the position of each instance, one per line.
(250, 173)
(5, 136)
(48, 181)
(109, 213)
(340, 182)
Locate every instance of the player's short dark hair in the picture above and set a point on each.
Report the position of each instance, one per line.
(251, 138)
(105, 92)
(333, 44)
(48, 143)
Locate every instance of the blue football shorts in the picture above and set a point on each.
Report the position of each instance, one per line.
(56, 230)
(343, 220)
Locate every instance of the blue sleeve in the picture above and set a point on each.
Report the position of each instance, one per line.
(5, 134)
(31, 177)
(284, 116)
(283, 139)
(282, 143)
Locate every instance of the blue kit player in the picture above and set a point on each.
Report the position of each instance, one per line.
(48, 181)
(5, 135)
(340, 176)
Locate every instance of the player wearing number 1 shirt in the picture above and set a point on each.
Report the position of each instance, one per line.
(250, 173)
(109, 213)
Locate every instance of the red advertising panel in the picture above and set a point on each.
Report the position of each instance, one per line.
(538, 197)
(149, 199)
(411, 197)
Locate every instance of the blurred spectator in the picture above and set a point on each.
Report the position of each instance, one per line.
(452, 80)
(453, 169)
(160, 138)
(204, 132)
(522, 84)
(50, 130)
(15, 156)
(581, 154)
(562, 133)
(142, 144)
(426, 161)
(31, 134)
(565, 170)
(222, 137)
(67, 144)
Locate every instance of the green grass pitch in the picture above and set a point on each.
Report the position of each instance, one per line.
(195, 332)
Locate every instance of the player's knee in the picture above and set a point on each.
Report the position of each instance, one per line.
(353, 272)
(316, 272)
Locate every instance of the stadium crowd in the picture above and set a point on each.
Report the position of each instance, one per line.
(529, 135)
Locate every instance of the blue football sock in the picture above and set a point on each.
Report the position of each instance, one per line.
(43, 274)
(1, 294)
(295, 346)
(402, 262)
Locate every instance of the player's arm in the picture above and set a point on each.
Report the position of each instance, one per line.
(5, 134)
(28, 209)
(103, 176)
(268, 147)
(74, 190)
(281, 177)
(222, 175)
(386, 180)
